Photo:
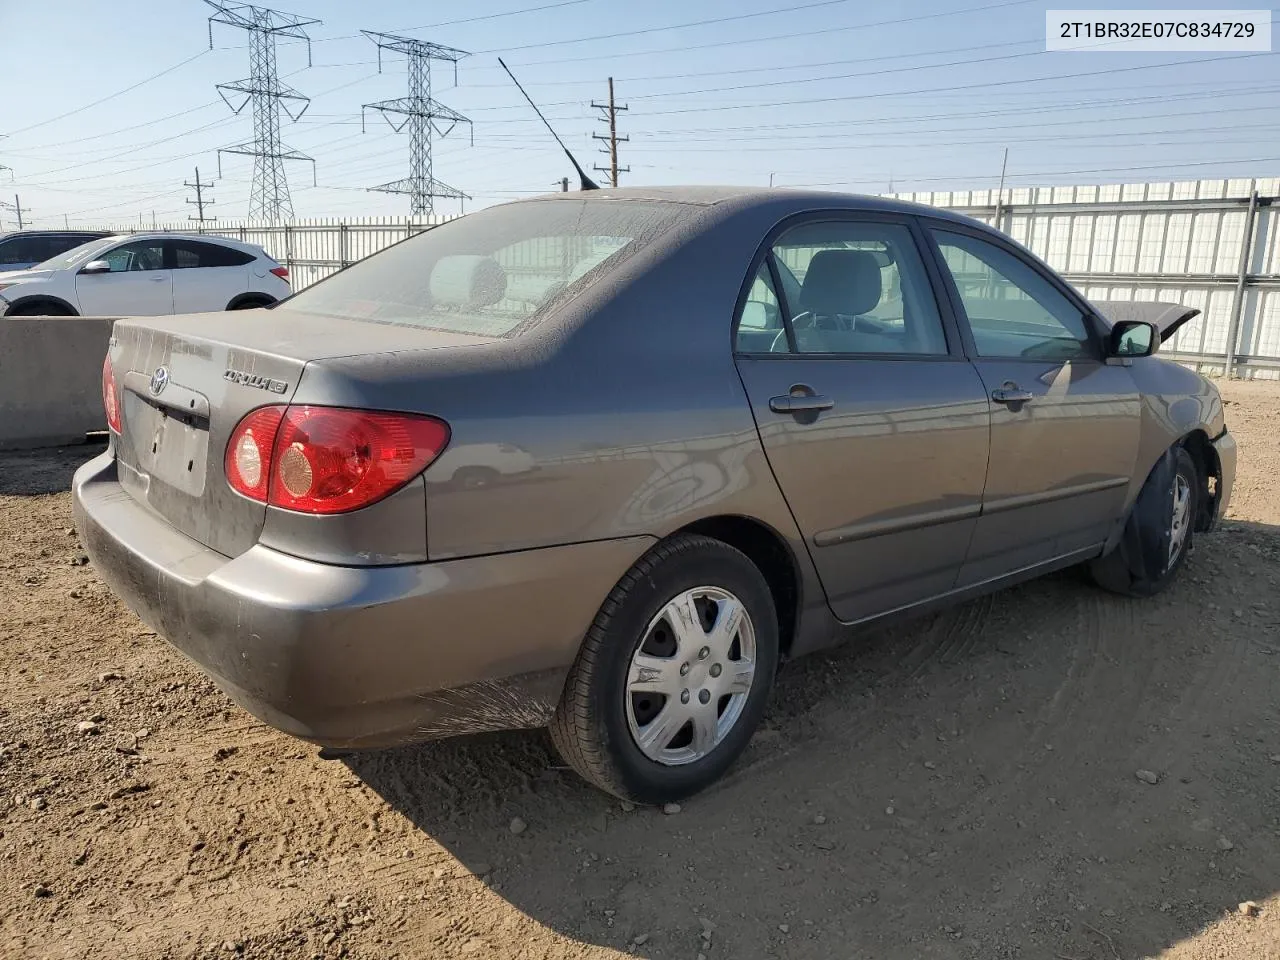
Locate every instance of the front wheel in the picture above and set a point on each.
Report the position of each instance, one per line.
(673, 675)
(1158, 533)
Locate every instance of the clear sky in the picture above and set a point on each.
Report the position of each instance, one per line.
(836, 93)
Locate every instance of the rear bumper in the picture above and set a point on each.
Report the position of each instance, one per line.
(1225, 448)
(356, 656)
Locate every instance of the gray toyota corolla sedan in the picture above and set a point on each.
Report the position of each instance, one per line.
(602, 461)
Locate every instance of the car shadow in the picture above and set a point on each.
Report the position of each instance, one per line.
(40, 472)
(971, 784)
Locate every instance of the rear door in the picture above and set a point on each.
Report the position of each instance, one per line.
(874, 423)
(1064, 424)
(137, 286)
(206, 276)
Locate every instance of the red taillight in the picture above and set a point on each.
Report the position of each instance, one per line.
(281, 272)
(110, 396)
(329, 459)
(248, 460)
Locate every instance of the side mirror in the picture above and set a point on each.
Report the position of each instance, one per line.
(1132, 338)
(96, 266)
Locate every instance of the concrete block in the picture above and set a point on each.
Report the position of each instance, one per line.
(51, 379)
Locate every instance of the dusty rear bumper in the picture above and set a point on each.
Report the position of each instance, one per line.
(356, 656)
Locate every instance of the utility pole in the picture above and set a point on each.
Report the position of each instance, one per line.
(422, 115)
(269, 198)
(611, 117)
(16, 207)
(200, 202)
(564, 184)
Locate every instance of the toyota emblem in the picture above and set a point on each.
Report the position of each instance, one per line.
(159, 380)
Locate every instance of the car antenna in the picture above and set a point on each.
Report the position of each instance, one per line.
(586, 182)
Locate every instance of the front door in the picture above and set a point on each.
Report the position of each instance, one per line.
(1064, 424)
(137, 286)
(873, 422)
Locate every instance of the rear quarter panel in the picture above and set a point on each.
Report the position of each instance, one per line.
(627, 406)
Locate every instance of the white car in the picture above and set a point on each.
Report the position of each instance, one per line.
(146, 275)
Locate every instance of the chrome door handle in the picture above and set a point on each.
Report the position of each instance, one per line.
(156, 279)
(800, 404)
(1012, 393)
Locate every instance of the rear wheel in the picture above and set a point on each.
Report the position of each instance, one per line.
(1159, 532)
(252, 303)
(674, 673)
(40, 310)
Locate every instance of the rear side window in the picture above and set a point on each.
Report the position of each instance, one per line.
(193, 254)
(495, 272)
(20, 250)
(760, 326)
(857, 287)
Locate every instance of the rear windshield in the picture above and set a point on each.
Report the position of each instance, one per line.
(491, 273)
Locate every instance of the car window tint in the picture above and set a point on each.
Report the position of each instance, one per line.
(1013, 310)
(191, 254)
(132, 257)
(55, 246)
(19, 250)
(760, 327)
(860, 288)
(495, 272)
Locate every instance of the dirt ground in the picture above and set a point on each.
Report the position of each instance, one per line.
(964, 786)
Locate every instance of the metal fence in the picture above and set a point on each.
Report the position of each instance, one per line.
(1210, 244)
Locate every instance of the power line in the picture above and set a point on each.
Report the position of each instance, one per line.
(739, 42)
(772, 67)
(951, 87)
(110, 96)
(1075, 171)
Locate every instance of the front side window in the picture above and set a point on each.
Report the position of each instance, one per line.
(77, 255)
(132, 257)
(495, 272)
(858, 287)
(1013, 310)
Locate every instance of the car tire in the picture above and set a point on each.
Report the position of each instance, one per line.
(1158, 532)
(615, 735)
(39, 310)
(253, 303)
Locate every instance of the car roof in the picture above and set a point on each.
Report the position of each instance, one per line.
(91, 234)
(743, 197)
(200, 237)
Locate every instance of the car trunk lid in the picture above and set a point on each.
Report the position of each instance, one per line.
(184, 384)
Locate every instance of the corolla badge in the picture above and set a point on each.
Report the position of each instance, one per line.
(255, 380)
(159, 380)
